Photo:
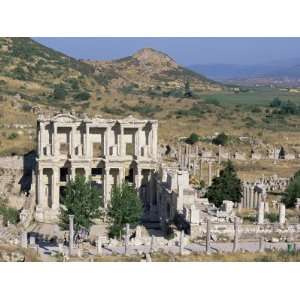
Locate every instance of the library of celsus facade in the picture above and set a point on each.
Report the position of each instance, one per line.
(106, 150)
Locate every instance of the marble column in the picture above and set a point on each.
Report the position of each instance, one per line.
(40, 188)
(41, 140)
(72, 144)
(71, 234)
(99, 246)
(106, 187)
(209, 173)
(207, 248)
(236, 235)
(86, 141)
(261, 213)
(244, 196)
(281, 214)
(106, 140)
(122, 149)
(137, 142)
(138, 178)
(55, 188)
(121, 176)
(54, 140)
(251, 204)
(154, 140)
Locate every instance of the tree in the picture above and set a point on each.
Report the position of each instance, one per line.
(59, 92)
(125, 207)
(193, 138)
(83, 96)
(221, 139)
(225, 187)
(292, 192)
(276, 102)
(83, 201)
(281, 154)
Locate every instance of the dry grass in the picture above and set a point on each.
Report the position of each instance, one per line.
(30, 255)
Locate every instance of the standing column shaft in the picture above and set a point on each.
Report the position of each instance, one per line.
(208, 225)
(41, 139)
(236, 235)
(41, 188)
(209, 173)
(87, 138)
(99, 246)
(54, 140)
(251, 204)
(71, 234)
(281, 214)
(72, 144)
(261, 212)
(126, 239)
(55, 188)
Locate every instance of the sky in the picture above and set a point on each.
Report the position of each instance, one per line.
(186, 51)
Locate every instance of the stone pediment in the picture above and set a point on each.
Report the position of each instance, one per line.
(65, 118)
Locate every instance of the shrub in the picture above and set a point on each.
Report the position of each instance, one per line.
(221, 139)
(82, 96)
(193, 138)
(59, 92)
(12, 136)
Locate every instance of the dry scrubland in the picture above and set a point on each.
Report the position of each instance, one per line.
(148, 84)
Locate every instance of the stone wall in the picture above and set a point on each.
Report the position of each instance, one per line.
(12, 162)
(247, 231)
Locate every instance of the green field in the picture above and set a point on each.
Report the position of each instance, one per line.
(255, 96)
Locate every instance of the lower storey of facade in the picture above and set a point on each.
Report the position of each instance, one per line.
(53, 176)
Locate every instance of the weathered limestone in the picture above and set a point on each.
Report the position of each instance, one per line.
(92, 147)
(261, 213)
(282, 214)
(207, 248)
(236, 235)
(71, 234)
(209, 173)
(99, 246)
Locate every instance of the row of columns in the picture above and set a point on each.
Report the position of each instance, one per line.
(251, 198)
(54, 183)
(87, 146)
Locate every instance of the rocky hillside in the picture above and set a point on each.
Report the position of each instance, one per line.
(150, 72)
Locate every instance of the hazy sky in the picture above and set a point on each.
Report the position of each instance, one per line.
(186, 51)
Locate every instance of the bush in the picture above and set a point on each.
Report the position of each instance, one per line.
(12, 136)
(192, 139)
(83, 96)
(292, 191)
(225, 187)
(221, 139)
(59, 92)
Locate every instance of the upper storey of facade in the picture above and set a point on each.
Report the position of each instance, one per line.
(66, 136)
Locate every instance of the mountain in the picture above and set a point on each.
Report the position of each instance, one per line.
(149, 69)
(148, 84)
